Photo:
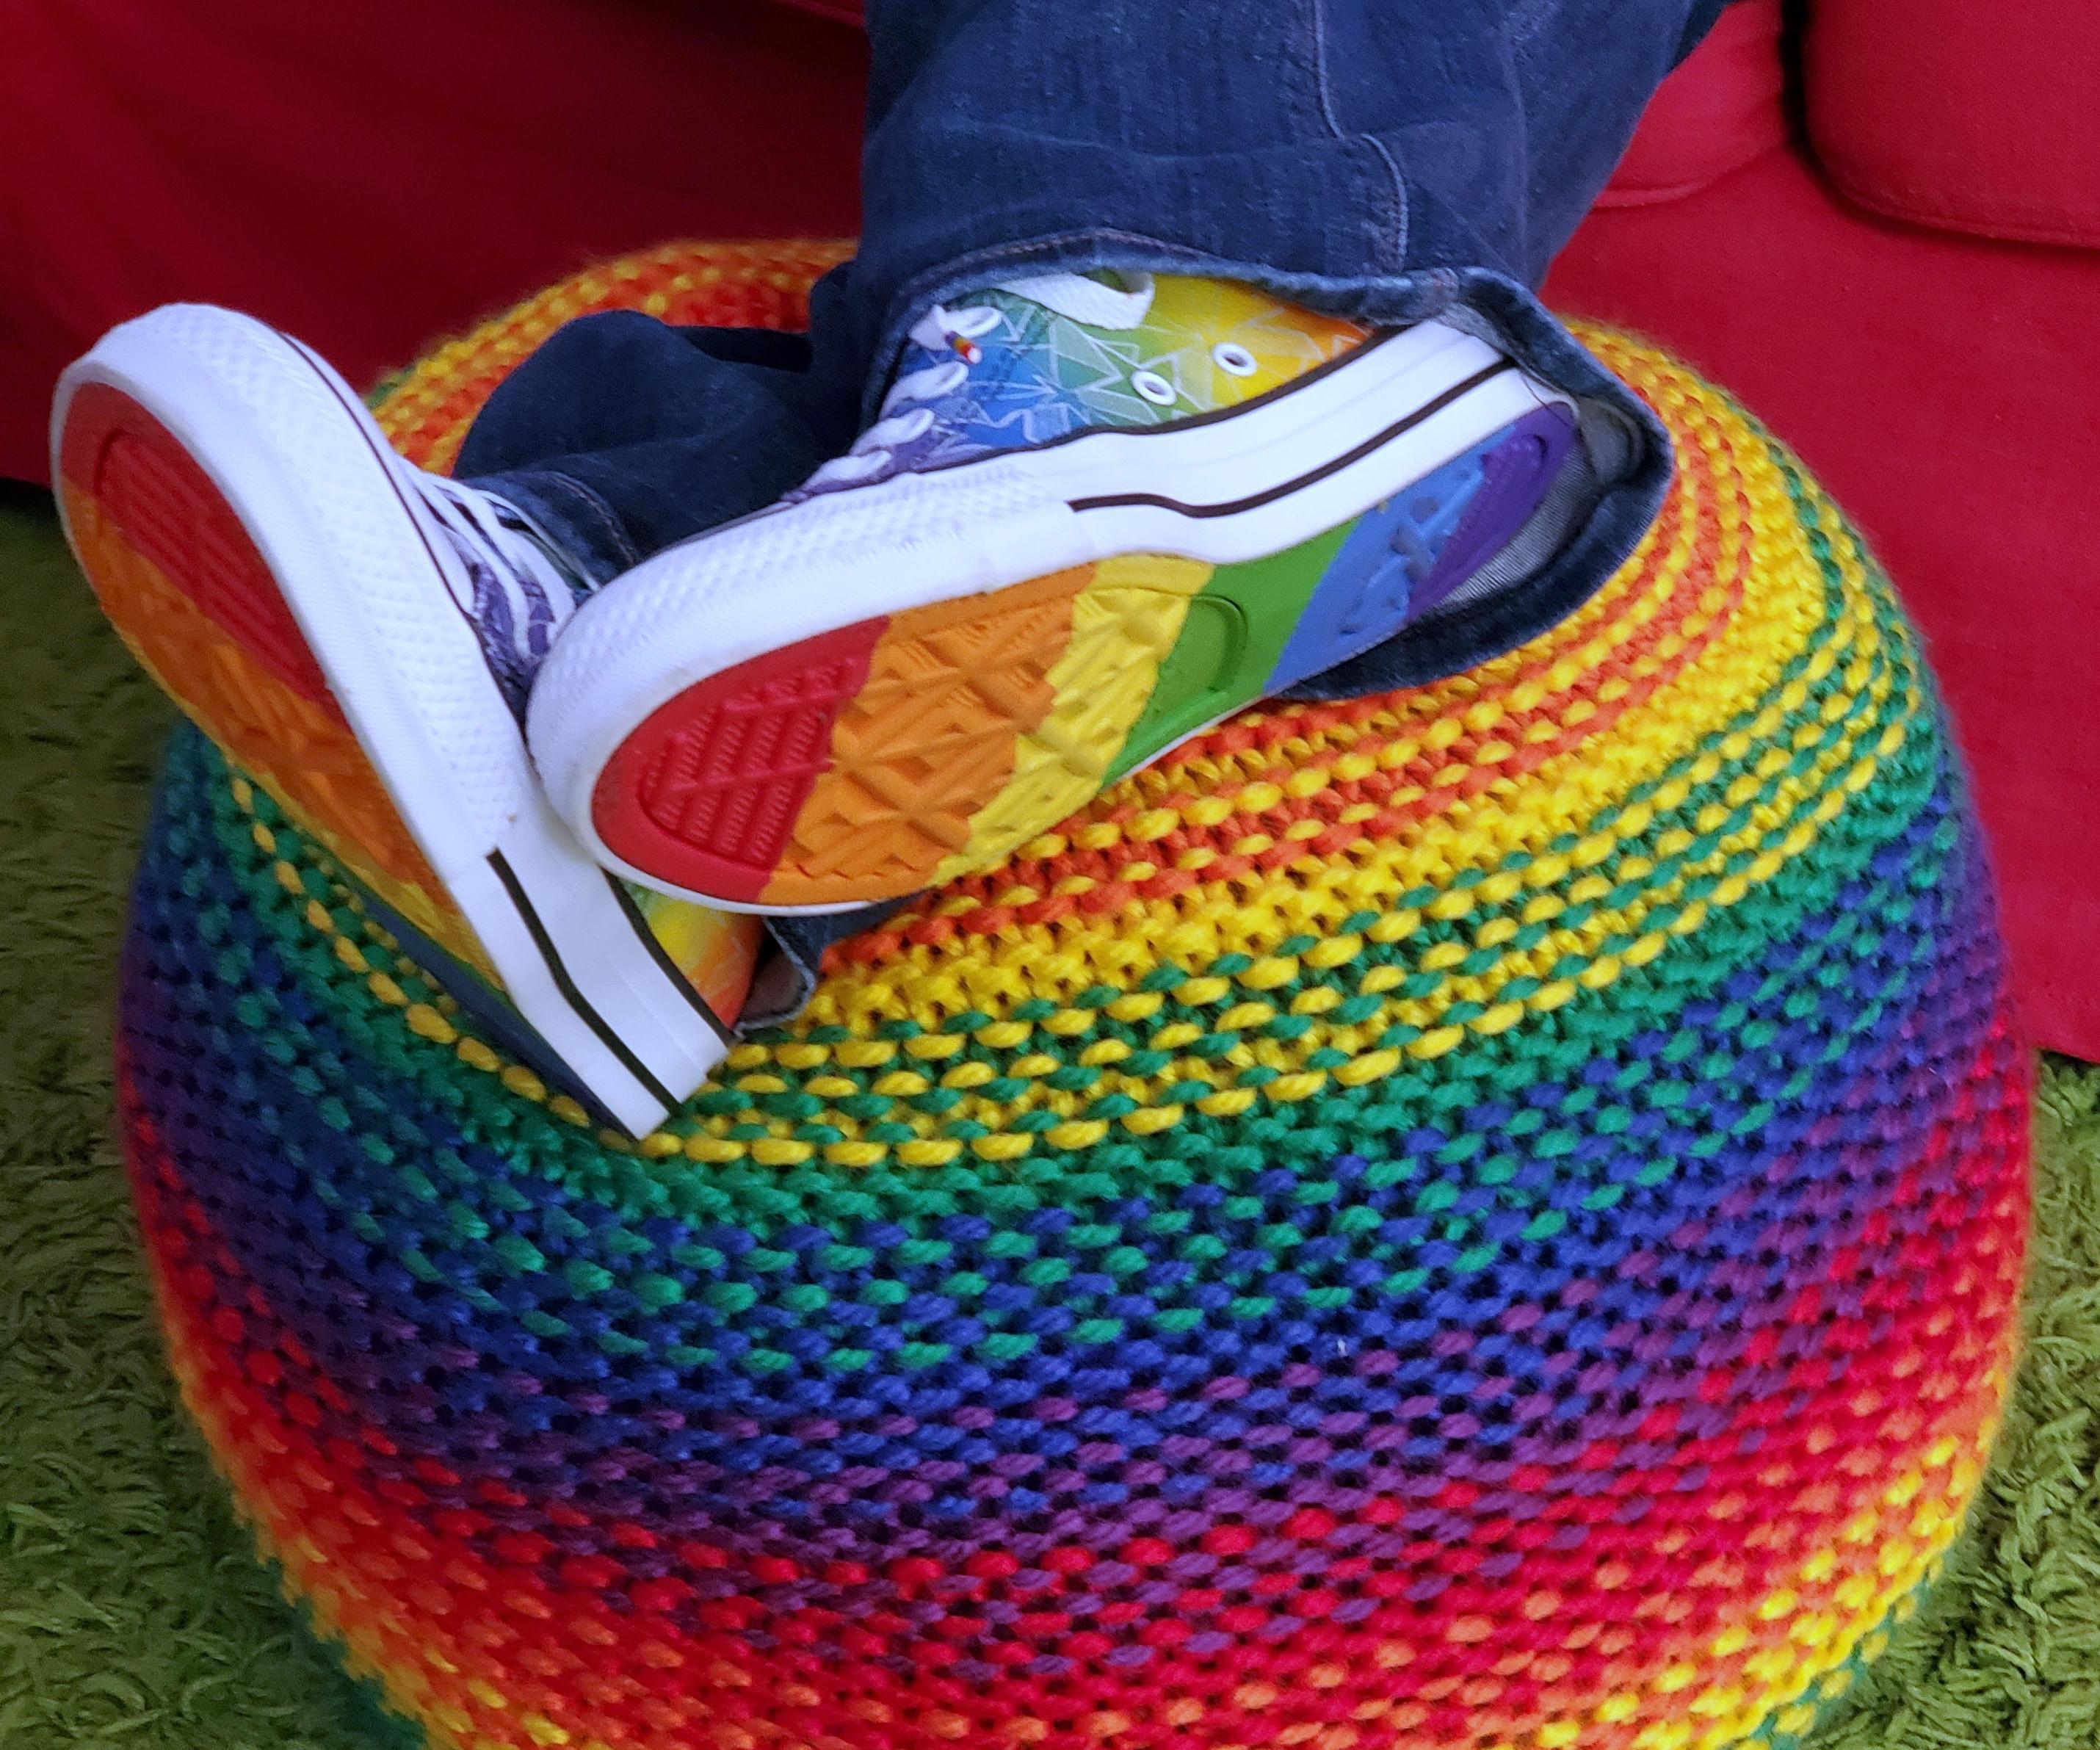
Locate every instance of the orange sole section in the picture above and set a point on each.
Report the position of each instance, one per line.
(844, 767)
(187, 590)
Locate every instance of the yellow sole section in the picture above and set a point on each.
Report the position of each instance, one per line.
(1123, 624)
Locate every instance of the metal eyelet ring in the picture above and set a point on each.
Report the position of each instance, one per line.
(1233, 359)
(1153, 387)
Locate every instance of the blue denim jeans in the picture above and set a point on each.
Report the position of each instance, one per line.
(1388, 160)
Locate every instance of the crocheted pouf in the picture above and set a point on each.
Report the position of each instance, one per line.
(1489, 1216)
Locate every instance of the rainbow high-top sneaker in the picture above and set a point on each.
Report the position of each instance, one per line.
(1093, 520)
(358, 635)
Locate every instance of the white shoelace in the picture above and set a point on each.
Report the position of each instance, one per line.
(539, 590)
(907, 414)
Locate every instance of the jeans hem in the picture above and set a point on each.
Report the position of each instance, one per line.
(578, 519)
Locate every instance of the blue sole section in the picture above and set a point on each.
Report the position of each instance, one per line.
(1406, 555)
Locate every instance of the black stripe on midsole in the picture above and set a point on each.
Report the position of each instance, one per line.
(1427, 410)
(566, 985)
(666, 965)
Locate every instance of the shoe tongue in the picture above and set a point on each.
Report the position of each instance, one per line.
(1084, 299)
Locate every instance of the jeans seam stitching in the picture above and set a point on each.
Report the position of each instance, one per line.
(1396, 226)
(1529, 20)
(602, 512)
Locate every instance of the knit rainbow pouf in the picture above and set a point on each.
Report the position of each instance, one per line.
(1487, 1216)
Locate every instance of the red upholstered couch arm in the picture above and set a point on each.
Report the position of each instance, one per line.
(1963, 114)
(367, 175)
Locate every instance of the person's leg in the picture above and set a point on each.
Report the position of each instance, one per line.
(624, 434)
(1380, 160)
(1337, 196)
(1329, 149)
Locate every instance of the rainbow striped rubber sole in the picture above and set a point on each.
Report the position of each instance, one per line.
(905, 750)
(181, 581)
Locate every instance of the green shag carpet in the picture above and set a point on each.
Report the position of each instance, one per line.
(132, 1612)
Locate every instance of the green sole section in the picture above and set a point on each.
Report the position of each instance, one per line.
(1235, 631)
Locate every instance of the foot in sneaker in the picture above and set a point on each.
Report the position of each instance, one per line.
(358, 636)
(1092, 520)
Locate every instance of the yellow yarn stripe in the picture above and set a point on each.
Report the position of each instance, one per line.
(1123, 624)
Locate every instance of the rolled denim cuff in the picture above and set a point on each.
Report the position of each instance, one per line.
(787, 977)
(578, 521)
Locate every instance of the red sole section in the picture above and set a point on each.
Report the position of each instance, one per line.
(707, 791)
(174, 515)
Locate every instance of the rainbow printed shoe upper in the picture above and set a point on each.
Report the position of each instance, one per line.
(1035, 360)
(358, 634)
(1092, 520)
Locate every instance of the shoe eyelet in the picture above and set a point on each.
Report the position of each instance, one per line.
(1153, 387)
(1233, 359)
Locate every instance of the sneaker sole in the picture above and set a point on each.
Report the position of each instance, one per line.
(312, 634)
(876, 759)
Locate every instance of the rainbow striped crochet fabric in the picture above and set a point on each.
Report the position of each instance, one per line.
(1489, 1215)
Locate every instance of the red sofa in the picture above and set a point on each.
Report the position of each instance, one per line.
(369, 175)
(1886, 237)
(1893, 256)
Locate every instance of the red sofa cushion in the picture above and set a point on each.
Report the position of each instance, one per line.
(1728, 110)
(1944, 389)
(1968, 117)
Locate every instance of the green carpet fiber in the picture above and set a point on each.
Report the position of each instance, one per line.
(132, 1611)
